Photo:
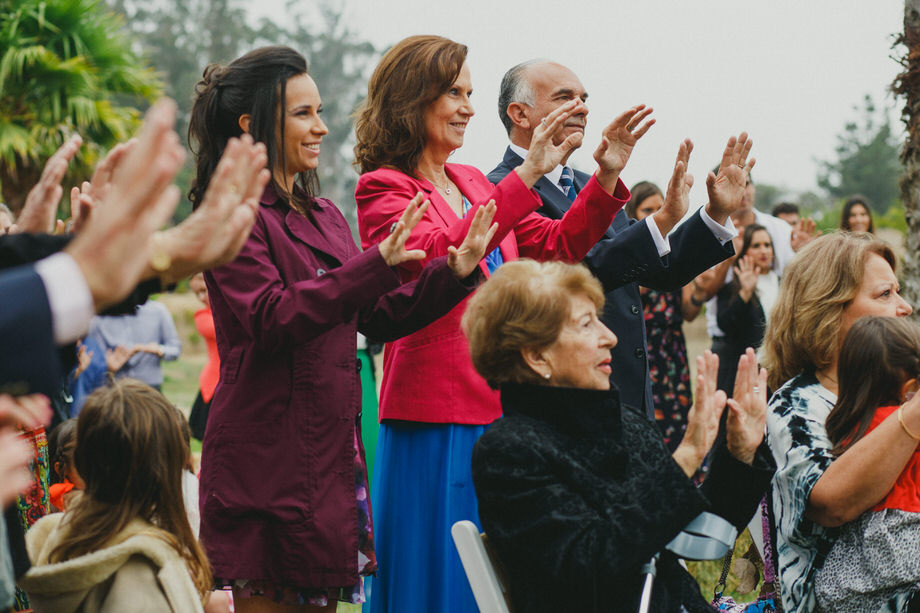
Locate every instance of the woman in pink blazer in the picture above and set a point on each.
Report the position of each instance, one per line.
(433, 404)
(285, 515)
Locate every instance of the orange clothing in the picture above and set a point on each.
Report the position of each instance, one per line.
(905, 494)
(210, 374)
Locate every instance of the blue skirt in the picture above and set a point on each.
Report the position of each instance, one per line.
(422, 485)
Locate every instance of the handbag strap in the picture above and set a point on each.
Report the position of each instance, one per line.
(769, 572)
(726, 567)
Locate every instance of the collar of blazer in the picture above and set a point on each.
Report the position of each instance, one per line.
(307, 231)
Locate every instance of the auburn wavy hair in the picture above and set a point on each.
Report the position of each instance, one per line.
(390, 123)
(524, 305)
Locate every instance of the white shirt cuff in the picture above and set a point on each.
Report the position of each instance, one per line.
(722, 233)
(69, 297)
(662, 244)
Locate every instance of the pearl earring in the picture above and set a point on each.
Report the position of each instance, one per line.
(546, 376)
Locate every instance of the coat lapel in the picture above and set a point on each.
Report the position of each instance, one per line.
(322, 236)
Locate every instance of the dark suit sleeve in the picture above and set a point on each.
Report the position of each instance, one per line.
(694, 249)
(733, 488)
(626, 257)
(28, 355)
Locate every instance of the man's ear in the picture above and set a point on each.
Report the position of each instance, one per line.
(244, 122)
(518, 114)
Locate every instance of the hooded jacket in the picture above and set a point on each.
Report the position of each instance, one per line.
(138, 571)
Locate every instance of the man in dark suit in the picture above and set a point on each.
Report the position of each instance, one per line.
(630, 254)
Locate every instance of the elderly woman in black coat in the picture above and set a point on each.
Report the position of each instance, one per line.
(576, 491)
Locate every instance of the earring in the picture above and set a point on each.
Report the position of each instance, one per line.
(546, 376)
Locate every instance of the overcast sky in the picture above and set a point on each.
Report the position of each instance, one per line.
(788, 72)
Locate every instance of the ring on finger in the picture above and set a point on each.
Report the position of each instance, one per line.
(543, 121)
(756, 388)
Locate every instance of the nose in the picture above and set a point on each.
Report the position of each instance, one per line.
(467, 108)
(320, 127)
(608, 338)
(904, 309)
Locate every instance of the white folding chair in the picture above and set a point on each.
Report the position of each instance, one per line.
(487, 587)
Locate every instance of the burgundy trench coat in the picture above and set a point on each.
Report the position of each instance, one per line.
(277, 482)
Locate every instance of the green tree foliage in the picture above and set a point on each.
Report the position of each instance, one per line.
(65, 67)
(867, 161)
(174, 35)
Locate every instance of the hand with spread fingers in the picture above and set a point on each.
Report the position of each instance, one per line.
(677, 198)
(40, 209)
(112, 251)
(216, 231)
(544, 155)
(803, 232)
(703, 418)
(393, 248)
(747, 414)
(747, 273)
(617, 142)
(726, 189)
(464, 259)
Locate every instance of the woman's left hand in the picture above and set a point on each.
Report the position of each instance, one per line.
(703, 418)
(617, 142)
(747, 415)
(464, 259)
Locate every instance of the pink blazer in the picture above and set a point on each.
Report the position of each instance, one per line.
(428, 376)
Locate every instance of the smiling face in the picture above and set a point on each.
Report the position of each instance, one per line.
(761, 249)
(858, 219)
(877, 295)
(447, 117)
(303, 128)
(553, 85)
(580, 357)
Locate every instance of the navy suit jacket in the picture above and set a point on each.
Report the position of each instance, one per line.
(28, 355)
(624, 259)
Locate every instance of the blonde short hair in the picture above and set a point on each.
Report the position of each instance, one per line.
(523, 306)
(822, 280)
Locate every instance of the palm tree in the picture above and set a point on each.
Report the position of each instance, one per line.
(65, 67)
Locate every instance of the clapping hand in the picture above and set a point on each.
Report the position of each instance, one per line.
(464, 259)
(83, 199)
(117, 357)
(747, 415)
(393, 248)
(677, 198)
(617, 142)
(703, 418)
(726, 189)
(40, 209)
(28, 412)
(747, 274)
(544, 155)
(15, 457)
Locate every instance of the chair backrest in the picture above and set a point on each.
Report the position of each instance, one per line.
(487, 588)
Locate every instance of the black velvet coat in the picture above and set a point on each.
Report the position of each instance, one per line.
(576, 493)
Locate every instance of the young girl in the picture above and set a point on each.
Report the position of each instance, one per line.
(874, 562)
(64, 476)
(126, 539)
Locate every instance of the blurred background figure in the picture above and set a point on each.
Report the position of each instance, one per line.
(788, 212)
(148, 336)
(210, 374)
(857, 215)
(6, 218)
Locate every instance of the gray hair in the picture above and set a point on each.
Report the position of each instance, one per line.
(515, 88)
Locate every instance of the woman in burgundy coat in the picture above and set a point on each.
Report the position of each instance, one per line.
(284, 505)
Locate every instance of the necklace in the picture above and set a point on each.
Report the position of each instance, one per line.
(443, 188)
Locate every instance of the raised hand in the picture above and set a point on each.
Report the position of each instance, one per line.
(113, 249)
(747, 274)
(803, 232)
(117, 357)
(215, 232)
(40, 209)
(747, 415)
(464, 259)
(84, 359)
(543, 155)
(703, 418)
(617, 142)
(726, 189)
(677, 198)
(83, 199)
(393, 248)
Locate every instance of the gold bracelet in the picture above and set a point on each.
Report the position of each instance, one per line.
(904, 426)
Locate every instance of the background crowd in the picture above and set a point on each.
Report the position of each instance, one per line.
(535, 378)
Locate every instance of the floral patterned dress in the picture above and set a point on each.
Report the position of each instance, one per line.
(667, 362)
